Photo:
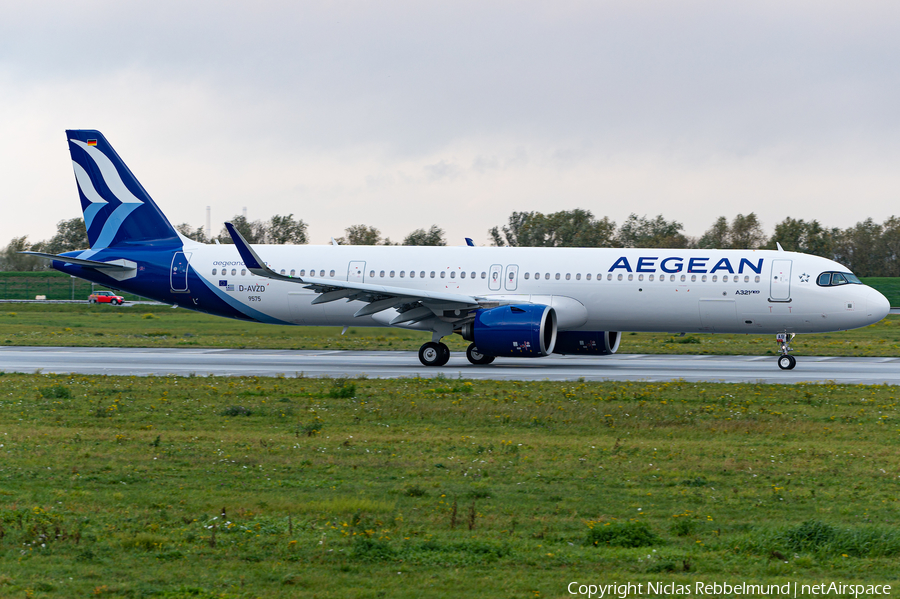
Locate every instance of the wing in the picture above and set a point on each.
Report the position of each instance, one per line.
(413, 305)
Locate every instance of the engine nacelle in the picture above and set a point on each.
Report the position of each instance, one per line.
(592, 343)
(527, 331)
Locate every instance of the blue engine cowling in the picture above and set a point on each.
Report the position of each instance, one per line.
(527, 331)
(593, 343)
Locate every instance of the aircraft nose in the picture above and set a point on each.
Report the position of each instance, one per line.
(878, 305)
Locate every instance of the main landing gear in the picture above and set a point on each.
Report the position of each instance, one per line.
(476, 357)
(434, 354)
(785, 360)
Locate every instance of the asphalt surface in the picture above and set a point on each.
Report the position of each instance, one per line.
(393, 364)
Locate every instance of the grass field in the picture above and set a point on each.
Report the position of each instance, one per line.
(245, 487)
(162, 326)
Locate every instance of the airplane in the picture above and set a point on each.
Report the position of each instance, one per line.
(508, 302)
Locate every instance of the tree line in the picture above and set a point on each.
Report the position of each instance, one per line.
(71, 235)
(867, 248)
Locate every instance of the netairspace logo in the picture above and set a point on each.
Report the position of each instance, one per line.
(718, 589)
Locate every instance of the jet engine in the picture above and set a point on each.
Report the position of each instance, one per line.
(527, 331)
(591, 343)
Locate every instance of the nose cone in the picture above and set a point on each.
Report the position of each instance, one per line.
(878, 305)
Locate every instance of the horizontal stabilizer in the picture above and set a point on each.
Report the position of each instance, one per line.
(113, 265)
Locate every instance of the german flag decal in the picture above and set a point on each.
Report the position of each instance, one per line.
(92, 142)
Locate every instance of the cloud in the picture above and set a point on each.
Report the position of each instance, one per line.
(460, 113)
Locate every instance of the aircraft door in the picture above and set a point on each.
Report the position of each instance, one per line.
(494, 277)
(780, 282)
(511, 278)
(356, 272)
(179, 272)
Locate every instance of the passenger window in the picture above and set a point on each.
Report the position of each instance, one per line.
(443, 273)
(537, 276)
(371, 274)
(587, 277)
(293, 272)
(693, 278)
(282, 272)
(452, 274)
(640, 277)
(421, 274)
(381, 274)
(715, 278)
(214, 271)
(578, 277)
(472, 274)
(609, 277)
(557, 276)
(620, 276)
(630, 277)
(650, 278)
(303, 273)
(724, 278)
(392, 274)
(321, 273)
(683, 278)
(432, 274)
(746, 278)
(547, 276)
(483, 275)
(568, 276)
(703, 278)
(233, 272)
(462, 275)
(331, 274)
(244, 272)
(671, 277)
(756, 278)
(527, 275)
(412, 274)
(402, 273)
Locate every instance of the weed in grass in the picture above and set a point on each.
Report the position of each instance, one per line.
(236, 411)
(415, 491)
(621, 534)
(56, 392)
(342, 389)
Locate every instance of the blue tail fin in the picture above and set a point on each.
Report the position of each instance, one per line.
(117, 209)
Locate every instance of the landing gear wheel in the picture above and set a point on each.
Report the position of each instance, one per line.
(787, 362)
(476, 357)
(445, 354)
(434, 354)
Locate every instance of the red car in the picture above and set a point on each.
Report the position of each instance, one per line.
(106, 297)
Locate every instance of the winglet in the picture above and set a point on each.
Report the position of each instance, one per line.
(251, 260)
(469, 242)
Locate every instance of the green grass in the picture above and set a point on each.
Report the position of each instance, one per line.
(161, 326)
(146, 487)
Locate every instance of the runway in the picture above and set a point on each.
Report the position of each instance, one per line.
(394, 364)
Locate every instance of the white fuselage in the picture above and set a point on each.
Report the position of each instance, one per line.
(722, 291)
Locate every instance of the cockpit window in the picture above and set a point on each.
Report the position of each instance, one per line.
(833, 279)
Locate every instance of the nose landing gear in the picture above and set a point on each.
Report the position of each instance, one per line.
(785, 360)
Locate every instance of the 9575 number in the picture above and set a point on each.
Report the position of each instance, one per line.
(254, 298)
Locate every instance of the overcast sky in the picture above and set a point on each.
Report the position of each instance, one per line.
(406, 114)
